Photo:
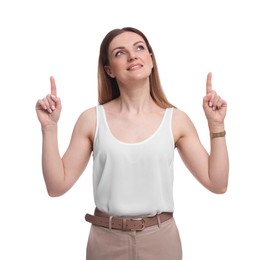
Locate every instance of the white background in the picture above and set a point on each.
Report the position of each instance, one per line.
(189, 38)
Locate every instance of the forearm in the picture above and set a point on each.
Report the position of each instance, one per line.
(52, 166)
(218, 163)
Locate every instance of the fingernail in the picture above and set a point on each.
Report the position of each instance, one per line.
(53, 107)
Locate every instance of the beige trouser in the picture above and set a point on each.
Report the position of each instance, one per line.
(153, 243)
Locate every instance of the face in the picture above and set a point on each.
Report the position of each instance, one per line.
(129, 58)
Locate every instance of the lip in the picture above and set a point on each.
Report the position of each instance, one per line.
(134, 67)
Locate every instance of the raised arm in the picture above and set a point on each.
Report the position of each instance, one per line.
(215, 110)
(61, 173)
(211, 169)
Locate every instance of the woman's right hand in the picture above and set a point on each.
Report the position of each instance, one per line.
(48, 109)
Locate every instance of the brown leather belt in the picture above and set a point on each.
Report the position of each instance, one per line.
(126, 224)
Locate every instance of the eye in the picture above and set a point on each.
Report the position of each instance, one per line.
(140, 48)
(119, 53)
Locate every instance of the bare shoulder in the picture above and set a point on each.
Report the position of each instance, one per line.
(86, 122)
(88, 115)
(181, 124)
(179, 117)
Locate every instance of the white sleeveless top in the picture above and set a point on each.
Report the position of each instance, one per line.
(133, 179)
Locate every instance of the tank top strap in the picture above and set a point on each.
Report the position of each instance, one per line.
(100, 119)
(168, 116)
(166, 126)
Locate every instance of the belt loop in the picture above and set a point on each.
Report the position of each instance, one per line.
(158, 220)
(110, 222)
(124, 224)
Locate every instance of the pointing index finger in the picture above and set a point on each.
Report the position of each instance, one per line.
(209, 83)
(53, 86)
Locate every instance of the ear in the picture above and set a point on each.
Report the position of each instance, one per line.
(109, 71)
(152, 60)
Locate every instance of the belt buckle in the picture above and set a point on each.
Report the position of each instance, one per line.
(142, 224)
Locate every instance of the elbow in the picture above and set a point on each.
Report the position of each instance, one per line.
(219, 186)
(219, 190)
(56, 189)
(55, 193)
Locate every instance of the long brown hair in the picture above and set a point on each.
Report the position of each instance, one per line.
(108, 88)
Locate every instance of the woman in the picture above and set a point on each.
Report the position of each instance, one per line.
(132, 133)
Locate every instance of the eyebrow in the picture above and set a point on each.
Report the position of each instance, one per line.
(121, 47)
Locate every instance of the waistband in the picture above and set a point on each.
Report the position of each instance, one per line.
(126, 224)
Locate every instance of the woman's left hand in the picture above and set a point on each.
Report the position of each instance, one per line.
(214, 106)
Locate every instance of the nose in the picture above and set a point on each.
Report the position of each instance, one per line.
(132, 56)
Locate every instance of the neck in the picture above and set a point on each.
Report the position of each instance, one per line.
(135, 99)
